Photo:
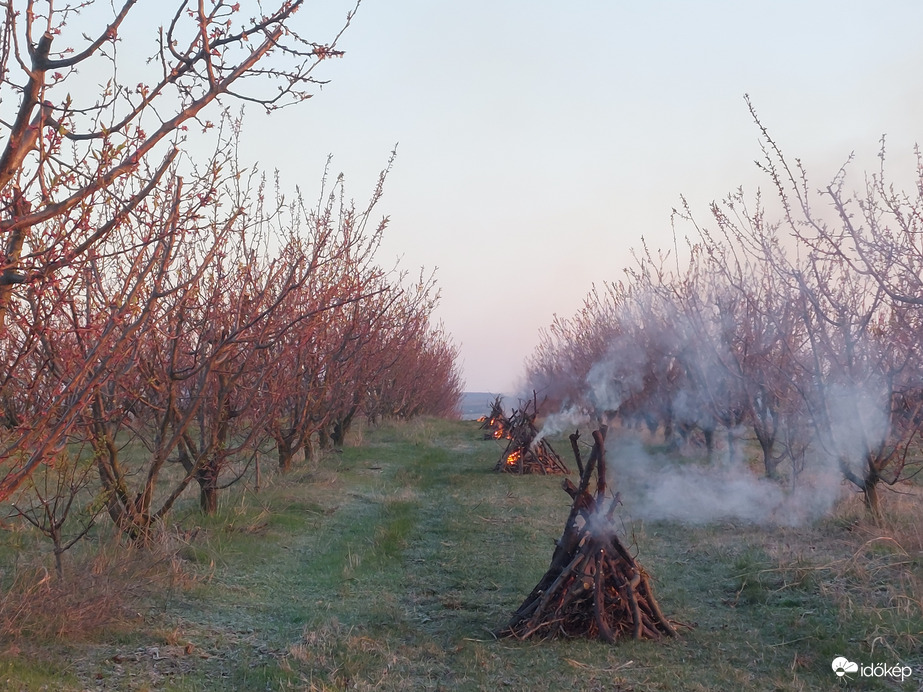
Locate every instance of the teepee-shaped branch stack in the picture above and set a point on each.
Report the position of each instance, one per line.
(495, 423)
(594, 587)
(527, 451)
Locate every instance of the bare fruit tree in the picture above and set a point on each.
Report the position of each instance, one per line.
(798, 318)
(92, 164)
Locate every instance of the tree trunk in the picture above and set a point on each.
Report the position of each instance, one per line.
(131, 519)
(130, 514)
(207, 478)
(709, 434)
(870, 495)
(732, 444)
(669, 434)
(338, 434)
(341, 427)
(770, 463)
(310, 449)
(868, 484)
(767, 442)
(58, 550)
(286, 453)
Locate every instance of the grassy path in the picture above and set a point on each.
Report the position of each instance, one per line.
(388, 567)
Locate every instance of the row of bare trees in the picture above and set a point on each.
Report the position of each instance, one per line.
(162, 307)
(804, 330)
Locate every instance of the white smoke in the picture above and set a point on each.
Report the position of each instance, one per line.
(566, 421)
(858, 422)
(615, 378)
(659, 487)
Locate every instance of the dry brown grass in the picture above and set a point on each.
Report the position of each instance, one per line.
(904, 517)
(889, 567)
(100, 593)
(876, 573)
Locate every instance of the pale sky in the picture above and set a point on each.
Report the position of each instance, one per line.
(540, 141)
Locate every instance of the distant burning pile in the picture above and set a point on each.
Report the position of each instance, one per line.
(526, 452)
(495, 423)
(594, 587)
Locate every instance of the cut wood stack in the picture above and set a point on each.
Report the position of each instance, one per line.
(594, 587)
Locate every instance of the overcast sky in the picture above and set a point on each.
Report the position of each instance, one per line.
(540, 141)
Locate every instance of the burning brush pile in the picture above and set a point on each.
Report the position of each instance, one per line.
(594, 587)
(526, 451)
(495, 423)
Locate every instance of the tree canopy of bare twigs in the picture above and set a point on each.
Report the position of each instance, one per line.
(803, 328)
(160, 305)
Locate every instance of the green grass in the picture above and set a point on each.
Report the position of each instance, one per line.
(389, 565)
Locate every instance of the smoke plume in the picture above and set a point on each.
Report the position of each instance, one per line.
(659, 487)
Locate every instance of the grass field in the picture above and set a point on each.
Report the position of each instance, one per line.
(388, 566)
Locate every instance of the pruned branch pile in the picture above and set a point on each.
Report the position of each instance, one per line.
(526, 451)
(495, 423)
(594, 587)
